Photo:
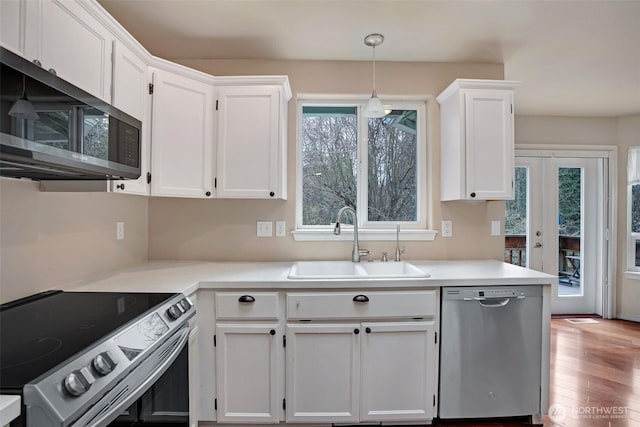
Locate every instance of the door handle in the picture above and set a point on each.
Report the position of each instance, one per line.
(537, 245)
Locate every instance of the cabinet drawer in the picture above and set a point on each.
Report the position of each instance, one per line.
(361, 304)
(247, 305)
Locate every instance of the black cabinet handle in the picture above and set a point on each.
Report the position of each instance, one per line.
(272, 332)
(368, 330)
(208, 193)
(120, 186)
(246, 298)
(356, 331)
(361, 298)
(272, 194)
(473, 194)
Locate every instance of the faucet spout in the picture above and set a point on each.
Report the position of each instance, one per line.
(356, 252)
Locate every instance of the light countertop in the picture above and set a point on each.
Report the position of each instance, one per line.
(9, 408)
(189, 276)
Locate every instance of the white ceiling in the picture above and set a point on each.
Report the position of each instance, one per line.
(574, 58)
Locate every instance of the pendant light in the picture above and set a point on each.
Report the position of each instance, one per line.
(22, 108)
(374, 108)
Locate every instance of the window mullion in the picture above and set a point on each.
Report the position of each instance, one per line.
(362, 181)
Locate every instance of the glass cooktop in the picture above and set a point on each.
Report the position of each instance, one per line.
(40, 332)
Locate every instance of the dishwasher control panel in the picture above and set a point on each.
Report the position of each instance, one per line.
(484, 293)
(494, 293)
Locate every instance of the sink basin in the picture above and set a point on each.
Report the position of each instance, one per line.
(332, 270)
(392, 269)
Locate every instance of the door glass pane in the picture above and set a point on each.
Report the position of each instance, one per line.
(569, 231)
(515, 225)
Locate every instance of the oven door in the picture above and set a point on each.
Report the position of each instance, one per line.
(166, 403)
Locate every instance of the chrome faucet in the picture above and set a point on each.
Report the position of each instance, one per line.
(356, 252)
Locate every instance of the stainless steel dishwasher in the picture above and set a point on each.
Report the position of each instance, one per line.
(490, 351)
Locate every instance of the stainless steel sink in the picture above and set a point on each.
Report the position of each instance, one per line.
(333, 270)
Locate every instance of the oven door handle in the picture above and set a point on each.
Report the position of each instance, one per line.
(105, 418)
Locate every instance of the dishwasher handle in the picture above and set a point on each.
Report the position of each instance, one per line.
(493, 302)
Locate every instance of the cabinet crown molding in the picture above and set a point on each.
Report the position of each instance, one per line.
(458, 84)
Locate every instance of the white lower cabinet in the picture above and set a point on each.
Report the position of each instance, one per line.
(361, 372)
(398, 365)
(342, 357)
(323, 372)
(247, 371)
(249, 357)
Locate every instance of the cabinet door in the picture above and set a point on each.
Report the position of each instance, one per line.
(248, 142)
(399, 373)
(130, 79)
(247, 373)
(489, 144)
(65, 38)
(181, 137)
(323, 373)
(12, 25)
(129, 88)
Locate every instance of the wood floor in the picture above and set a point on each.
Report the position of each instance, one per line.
(595, 376)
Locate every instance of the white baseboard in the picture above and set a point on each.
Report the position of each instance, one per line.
(631, 317)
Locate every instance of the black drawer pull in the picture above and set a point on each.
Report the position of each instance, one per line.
(272, 332)
(361, 298)
(356, 331)
(246, 298)
(368, 330)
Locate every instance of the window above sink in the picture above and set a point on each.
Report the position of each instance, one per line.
(376, 166)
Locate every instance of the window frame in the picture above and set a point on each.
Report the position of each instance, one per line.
(633, 178)
(632, 237)
(370, 230)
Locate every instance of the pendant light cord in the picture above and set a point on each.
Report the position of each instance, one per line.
(374, 71)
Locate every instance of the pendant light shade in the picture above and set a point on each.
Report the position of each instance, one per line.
(374, 108)
(22, 108)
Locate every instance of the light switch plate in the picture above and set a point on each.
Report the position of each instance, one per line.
(496, 228)
(281, 228)
(447, 228)
(264, 229)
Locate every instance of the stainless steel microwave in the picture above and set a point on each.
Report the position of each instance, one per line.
(52, 130)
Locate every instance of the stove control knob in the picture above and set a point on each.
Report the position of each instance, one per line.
(79, 381)
(185, 304)
(104, 363)
(174, 312)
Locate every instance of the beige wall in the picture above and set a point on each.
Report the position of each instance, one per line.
(226, 229)
(50, 239)
(623, 132)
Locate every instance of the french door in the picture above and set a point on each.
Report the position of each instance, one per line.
(556, 225)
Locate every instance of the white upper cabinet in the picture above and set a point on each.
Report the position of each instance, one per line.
(129, 82)
(140, 186)
(67, 40)
(477, 140)
(12, 25)
(182, 136)
(252, 137)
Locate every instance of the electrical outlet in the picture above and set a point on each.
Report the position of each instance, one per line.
(447, 228)
(496, 228)
(281, 228)
(119, 230)
(264, 229)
